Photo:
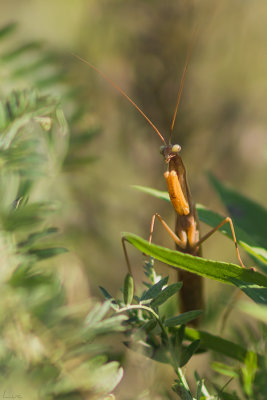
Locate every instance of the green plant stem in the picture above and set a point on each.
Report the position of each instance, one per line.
(139, 307)
(185, 393)
(182, 378)
(148, 309)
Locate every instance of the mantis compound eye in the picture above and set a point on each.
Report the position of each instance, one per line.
(176, 148)
(161, 150)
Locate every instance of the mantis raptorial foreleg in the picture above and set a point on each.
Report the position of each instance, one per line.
(210, 233)
(182, 241)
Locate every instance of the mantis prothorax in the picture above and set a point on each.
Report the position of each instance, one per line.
(186, 233)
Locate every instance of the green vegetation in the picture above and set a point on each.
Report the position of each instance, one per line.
(254, 284)
(54, 347)
(48, 348)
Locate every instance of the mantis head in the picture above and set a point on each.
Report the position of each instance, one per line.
(170, 151)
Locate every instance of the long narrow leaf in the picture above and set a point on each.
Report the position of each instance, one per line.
(244, 240)
(220, 271)
(258, 311)
(154, 290)
(182, 318)
(249, 215)
(188, 352)
(7, 30)
(220, 345)
(26, 48)
(255, 292)
(42, 254)
(166, 293)
(160, 194)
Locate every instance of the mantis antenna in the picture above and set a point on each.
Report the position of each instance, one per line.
(123, 94)
(181, 86)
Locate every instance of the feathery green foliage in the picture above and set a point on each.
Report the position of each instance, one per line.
(48, 348)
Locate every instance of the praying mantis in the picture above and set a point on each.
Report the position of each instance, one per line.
(186, 234)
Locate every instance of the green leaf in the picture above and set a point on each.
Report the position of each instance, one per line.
(92, 376)
(220, 271)
(255, 292)
(112, 374)
(105, 327)
(26, 154)
(179, 335)
(24, 276)
(97, 323)
(128, 289)
(53, 79)
(33, 67)
(244, 240)
(250, 216)
(157, 354)
(25, 48)
(249, 373)
(8, 29)
(154, 290)
(188, 352)
(105, 293)
(166, 293)
(258, 311)
(180, 389)
(97, 313)
(160, 194)
(26, 216)
(72, 162)
(42, 254)
(251, 219)
(220, 345)
(149, 325)
(201, 389)
(81, 139)
(224, 369)
(183, 319)
(225, 395)
(36, 236)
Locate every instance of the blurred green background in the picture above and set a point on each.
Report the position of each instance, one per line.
(221, 123)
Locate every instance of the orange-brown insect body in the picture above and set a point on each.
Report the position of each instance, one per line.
(186, 226)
